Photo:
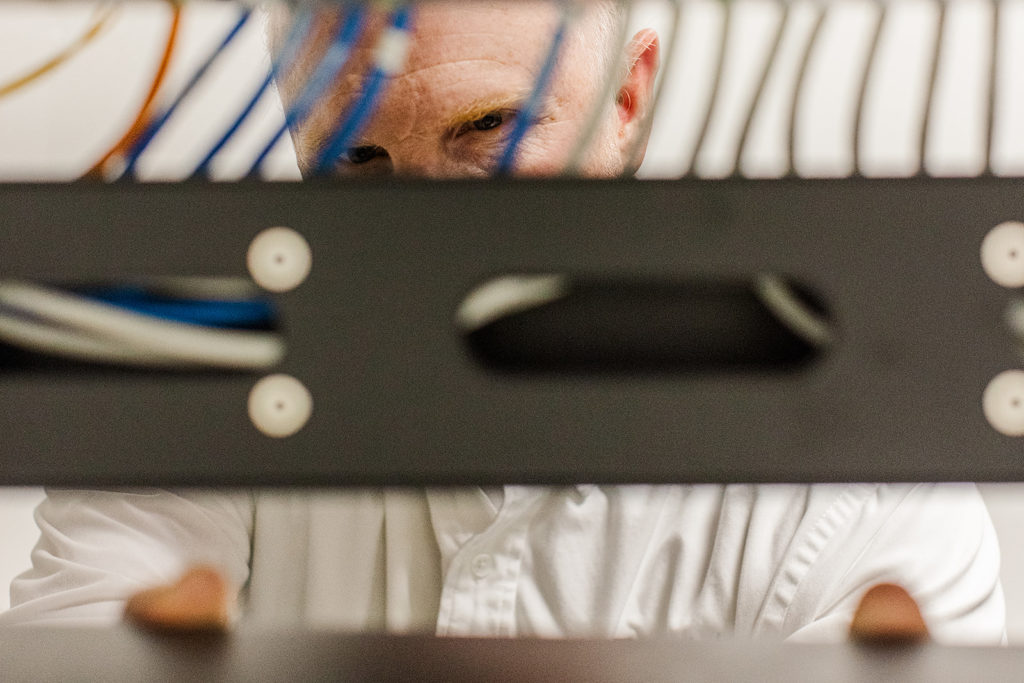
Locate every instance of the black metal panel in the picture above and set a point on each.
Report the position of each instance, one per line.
(398, 399)
(40, 654)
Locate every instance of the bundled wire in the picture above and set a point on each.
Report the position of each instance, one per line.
(182, 335)
(724, 51)
(525, 119)
(102, 19)
(755, 101)
(869, 67)
(323, 77)
(933, 79)
(139, 145)
(389, 57)
(248, 313)
(798, 88)
(142, 117)
(281, 64)
(721, 55)
(993, 82)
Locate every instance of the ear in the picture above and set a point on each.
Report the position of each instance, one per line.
(636, 96)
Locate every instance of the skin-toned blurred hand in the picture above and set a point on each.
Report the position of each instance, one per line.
(887, 614)
(202, 601)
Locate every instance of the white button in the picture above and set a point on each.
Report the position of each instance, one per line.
(1002, 254)
(483, 565)
(1003, 403)
(280, 405)
(279, 259)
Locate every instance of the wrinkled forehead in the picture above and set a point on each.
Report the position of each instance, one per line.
(464, 58)
(514, 31)
(444, 32)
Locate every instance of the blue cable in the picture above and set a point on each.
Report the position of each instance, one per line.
(324, 75)
(153, 128)
(525, 118)
(363, 108)
(251, 313)
(230, 314)
(281, 64)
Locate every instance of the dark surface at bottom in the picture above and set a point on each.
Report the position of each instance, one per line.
(66, 654)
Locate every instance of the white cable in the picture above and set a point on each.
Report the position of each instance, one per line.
(1015, 318)
(787, 307)
(180, 341)
(508, 295)
(47, 339)
(201, 287)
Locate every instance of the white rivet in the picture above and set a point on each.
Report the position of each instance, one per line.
(1003, 403)
(280, 405)
(1002, 254)
(483, 565)
(279, 259)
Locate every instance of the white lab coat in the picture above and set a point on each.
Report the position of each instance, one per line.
(700, 561)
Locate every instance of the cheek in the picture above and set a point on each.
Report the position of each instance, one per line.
(604, 154)
(548, 148)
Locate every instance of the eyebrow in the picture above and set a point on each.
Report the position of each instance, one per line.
(480, 108)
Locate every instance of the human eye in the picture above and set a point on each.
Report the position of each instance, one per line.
(491, 121)
(488, 121)
(364, 154)
(363, 160)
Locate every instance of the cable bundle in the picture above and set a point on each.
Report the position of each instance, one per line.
(713, 119)
(140, 328)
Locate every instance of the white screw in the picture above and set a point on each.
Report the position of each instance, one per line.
(1003, 403)
(1002, 254)
(280, 405)
(279, 259)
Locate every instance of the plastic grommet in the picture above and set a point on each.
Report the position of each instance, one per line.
(279, 259)
(280, 405)
(1003, 403)
(1002, 254)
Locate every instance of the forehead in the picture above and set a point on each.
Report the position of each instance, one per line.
(497, 46)
(462, 52)
(447, 29)
(442, 24)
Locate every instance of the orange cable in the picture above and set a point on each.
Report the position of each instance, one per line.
(145, 111)
(61, 57)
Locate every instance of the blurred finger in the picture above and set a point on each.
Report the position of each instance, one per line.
(887, 614)
(199, 601)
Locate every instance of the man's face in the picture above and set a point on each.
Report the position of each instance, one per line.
(471, 68)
